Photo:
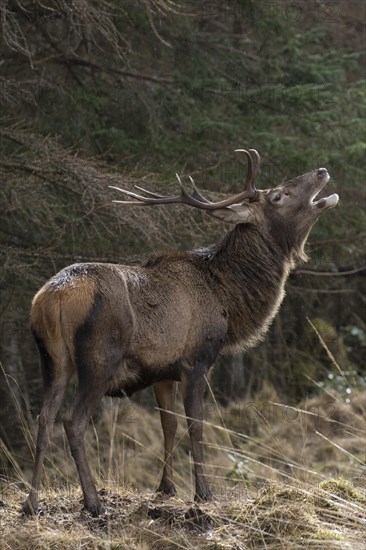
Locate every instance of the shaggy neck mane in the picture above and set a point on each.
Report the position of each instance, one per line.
(250, 270)
(245, 245)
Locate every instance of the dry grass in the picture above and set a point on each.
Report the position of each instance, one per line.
(277, 516)
(298, 480)
(283, 477)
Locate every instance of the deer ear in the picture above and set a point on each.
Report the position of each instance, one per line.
(237, 213)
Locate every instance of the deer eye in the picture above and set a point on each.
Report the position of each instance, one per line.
(277, 197)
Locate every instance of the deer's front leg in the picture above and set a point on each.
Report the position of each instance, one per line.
(193, 386)
(165, 396)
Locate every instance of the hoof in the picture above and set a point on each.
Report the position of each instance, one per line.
(198, 519)
(167, 488)
(30, 509)
(95, 509)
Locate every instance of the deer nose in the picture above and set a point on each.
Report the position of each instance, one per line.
(322, 172)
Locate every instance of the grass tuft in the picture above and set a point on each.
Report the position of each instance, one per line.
(343, 489)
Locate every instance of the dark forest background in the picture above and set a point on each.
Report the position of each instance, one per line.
(95, 93)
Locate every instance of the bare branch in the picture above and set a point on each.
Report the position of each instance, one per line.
(112, 70)
(340, 273)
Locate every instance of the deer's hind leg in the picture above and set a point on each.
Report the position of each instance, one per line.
(56, 371)
(86, 402)
(99, 353)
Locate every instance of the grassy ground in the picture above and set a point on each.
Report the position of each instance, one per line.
(282, 477)
(277, 515)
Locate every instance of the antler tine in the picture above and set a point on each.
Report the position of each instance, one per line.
(249, 178)
(252, 173)
(140, 199)
(196, 193)
(151, 193)
(254, 153)
(180, 183)
(195, 198)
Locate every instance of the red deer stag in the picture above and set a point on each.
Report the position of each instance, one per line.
(125, 328)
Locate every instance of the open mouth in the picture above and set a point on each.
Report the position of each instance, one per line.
(324, 202)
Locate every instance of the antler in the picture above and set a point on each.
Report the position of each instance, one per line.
(195, 198)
